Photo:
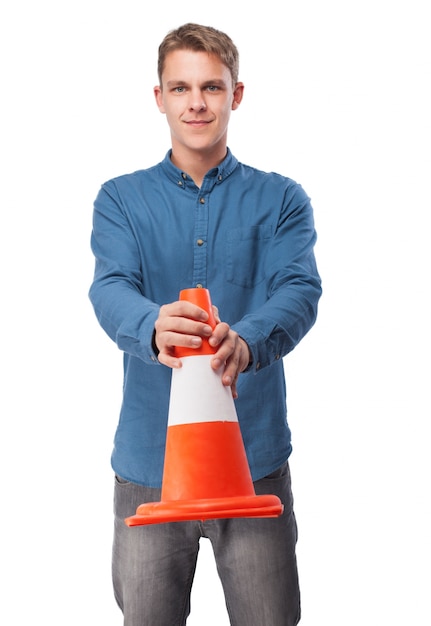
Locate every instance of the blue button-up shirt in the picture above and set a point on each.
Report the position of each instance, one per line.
(248, 237)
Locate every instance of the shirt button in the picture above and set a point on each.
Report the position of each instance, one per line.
(202, 200)
(184, 175)
(258, 365)
(200, 242)
(199, 285)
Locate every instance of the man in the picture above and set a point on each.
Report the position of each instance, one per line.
(201, 218)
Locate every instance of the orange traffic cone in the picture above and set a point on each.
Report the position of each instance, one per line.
(206, 473)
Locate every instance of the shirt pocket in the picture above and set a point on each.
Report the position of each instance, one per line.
(245, 253)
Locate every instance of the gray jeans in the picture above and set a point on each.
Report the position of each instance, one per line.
(153, 566)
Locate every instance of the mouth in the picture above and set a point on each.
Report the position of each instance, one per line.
(197, 123)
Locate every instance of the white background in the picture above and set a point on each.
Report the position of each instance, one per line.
(338, 98)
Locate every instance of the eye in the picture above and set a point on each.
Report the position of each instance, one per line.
(213, 88)
(179, 89)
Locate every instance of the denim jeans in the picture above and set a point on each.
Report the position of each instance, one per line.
(154, 565)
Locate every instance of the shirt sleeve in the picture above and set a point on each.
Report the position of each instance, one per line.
(293, 283)
(116, 292)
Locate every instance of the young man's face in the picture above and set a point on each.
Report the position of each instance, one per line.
(197, 97)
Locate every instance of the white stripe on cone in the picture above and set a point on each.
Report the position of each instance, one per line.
(198, 394)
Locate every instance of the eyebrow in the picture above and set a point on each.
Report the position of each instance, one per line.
(217, 82)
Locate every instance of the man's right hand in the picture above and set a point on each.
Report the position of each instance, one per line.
(182, 324)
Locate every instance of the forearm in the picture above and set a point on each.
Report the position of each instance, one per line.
(276, 327)
(269, 341)
(126, 316)
(116, 292)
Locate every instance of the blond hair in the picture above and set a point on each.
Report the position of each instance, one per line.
(200, 39)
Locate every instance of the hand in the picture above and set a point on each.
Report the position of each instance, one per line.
(233, 352)
(182, 324)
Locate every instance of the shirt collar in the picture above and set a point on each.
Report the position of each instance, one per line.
(182, 179)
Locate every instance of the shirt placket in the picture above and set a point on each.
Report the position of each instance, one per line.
(200, 239)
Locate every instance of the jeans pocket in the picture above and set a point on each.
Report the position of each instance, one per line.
(280, 472)
(121, 481)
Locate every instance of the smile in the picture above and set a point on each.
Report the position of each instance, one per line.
(197, 123)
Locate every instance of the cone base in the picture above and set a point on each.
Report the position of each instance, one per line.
(216, 508)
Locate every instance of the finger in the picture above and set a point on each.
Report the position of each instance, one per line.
(234, 390)
(183, 308)
(178, 331)
(219, 334)
(216, 314)
(171, 339)
(169, 361)
(231, 371)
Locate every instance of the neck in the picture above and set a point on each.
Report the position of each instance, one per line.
(197, 164)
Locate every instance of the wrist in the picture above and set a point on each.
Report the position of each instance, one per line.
(154, 345)
(247, 360)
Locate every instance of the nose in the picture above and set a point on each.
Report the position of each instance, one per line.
(197, 102)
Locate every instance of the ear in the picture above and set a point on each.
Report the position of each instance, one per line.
(238, 93)
(158, 94)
